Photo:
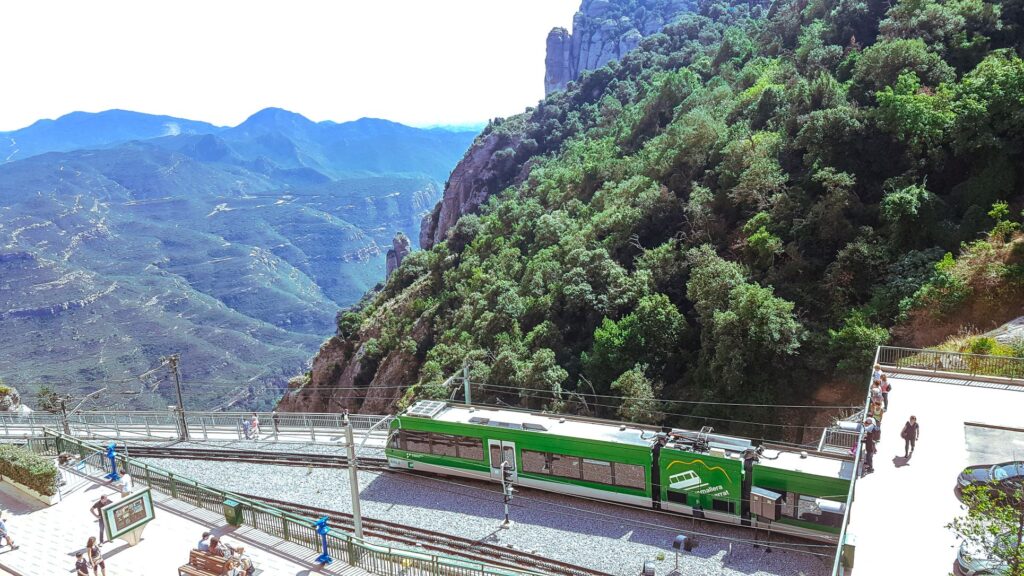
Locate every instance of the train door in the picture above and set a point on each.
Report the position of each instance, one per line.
(501, 451)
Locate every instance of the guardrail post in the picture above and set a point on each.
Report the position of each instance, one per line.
(202, 421)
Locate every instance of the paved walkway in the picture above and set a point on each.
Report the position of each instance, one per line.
(900, 511)
(49, 537)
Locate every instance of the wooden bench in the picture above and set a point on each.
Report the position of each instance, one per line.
(203, 564)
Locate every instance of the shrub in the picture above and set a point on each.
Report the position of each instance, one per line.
(982, 345)
(28, 469)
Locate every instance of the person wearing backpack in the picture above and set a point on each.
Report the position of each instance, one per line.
(911, 432)
(886, 387)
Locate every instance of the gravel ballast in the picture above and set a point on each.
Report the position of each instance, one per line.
(598, 535)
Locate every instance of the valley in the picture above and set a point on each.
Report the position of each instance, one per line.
(222, 248)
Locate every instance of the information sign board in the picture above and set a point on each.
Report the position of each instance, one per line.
(128, 514)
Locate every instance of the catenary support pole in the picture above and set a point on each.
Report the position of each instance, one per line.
(64, 414)
(173, 361)
(465, 382)
(353, 477)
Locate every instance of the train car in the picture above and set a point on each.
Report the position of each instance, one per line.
(701, 474)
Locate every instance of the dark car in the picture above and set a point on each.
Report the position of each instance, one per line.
(972, 560)
(1007, 477)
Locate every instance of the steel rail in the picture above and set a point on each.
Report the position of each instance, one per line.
(436, 541)
(300, 459)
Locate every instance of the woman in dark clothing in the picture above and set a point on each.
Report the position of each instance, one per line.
(910, 434)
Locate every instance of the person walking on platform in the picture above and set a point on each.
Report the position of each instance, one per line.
(81, 564)
(911, 432)
(246, 428)
(254, 426)
(5, 536)
(97, 511)
(869, 444)
(95, 557)
(276, 419)
(886, 387)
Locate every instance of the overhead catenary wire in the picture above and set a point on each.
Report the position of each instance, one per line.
(697, 402)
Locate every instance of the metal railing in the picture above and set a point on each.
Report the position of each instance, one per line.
(297, 425)
(837, 565)
(956, 362)
(377, 559)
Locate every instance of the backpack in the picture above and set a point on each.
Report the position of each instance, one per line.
(905, 434)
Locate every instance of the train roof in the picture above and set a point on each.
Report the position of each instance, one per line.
(604, 430)
(807, 463)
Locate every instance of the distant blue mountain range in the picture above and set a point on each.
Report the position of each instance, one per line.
(287, 140)
(127, 236)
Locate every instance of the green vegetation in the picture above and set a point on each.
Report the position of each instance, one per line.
(28, 469)
(738, 211)
(994, 525)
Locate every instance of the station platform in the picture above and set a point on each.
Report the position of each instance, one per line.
(49, 537)
(901, 510)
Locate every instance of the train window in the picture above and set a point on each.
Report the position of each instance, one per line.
(630, 476)
(597, 471)
(565, 466)
(723, 506)
(443, 445)
(470, 448)
(495, 455)
(677, 497)
(535, 462)
(416, 441)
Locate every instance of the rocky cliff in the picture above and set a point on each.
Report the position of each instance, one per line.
(602, 31)
(400, 249)
(474, 179)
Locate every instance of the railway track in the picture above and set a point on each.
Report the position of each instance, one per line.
(254, 457)
(439, 542)
(433, 541)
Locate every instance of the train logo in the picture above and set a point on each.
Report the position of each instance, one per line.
(691, 481)
(684, 480)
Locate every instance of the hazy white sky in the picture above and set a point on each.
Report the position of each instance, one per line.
(413, 61)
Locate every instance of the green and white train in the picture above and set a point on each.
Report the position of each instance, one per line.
(706, 475)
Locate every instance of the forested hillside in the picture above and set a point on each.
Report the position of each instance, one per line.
(738, 211)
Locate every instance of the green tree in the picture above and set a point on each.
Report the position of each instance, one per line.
(751, 337)
(650, 335)
(853, 345)
(46, 399)
(919, 117)
(988, 103)
(640, 395)
(994, 524)
(882, 64)
(1005, 228)
(907, 210)
(711, 281)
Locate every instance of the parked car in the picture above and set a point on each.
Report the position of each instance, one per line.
(971, 561)
(1006, 477)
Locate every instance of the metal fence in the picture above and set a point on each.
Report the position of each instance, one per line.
(384, 560)
(956, 362)
(141, 424)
